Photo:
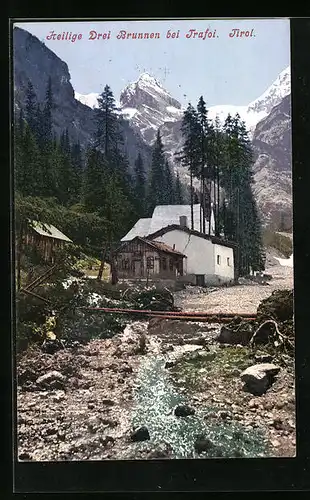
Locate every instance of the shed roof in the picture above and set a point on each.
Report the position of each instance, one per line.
(48, 230)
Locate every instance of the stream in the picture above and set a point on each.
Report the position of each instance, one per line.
(155, 400)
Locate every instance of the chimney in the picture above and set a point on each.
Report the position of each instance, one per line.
(173, 248)
(183, 221)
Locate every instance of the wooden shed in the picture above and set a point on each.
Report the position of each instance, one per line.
(46, 238)
(140, 258)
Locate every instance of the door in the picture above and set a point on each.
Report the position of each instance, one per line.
(137, 268)
(200, 280)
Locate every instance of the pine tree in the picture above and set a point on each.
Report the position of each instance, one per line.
(218, 159)
(28, 178)
(47, 113)
(31, 108)
(167, 184)
(156, 194)
(242, 222)
(203, 171)
(77, 164)
(140, 183)
(178, 191)
(191, 152)
(93, 189)
(107, 137)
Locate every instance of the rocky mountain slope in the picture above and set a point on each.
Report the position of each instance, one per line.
(34, 62)
(273, 166)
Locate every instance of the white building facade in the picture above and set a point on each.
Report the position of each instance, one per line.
(208, 261)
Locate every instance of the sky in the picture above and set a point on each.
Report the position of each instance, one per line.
(225, 70)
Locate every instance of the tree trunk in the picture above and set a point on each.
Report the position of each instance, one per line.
(210, 204)
(114, 277)
(192, 208)
(101, 268)
(204, 207)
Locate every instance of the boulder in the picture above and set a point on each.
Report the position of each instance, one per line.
(52, 380)
(169, 364)
(183, 411)
(232, 335)
(258, 378)
(140, 434)
(204, 444)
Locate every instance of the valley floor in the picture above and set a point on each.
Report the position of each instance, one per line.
(102, 391)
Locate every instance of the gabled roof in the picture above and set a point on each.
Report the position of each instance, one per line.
(163, 216)
(173, 227)
(48, 230)
(164, 247)
(158, 245)
(141, 228)
(166, 215)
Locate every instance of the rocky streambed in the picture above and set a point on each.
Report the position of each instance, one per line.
(159, 389)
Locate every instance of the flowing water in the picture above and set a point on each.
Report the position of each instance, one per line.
(156, 398)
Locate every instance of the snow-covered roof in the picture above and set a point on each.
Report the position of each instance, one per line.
(48, 230)
(166, 215)
(163, 216)
(141, 228)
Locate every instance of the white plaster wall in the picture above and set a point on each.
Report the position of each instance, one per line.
(224, 270)
(199, 252)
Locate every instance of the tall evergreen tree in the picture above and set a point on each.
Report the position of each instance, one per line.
(189, 156)
(178, 191)
(77, 164)
(28, 178)
(237, 178)
(31, 108)
(156, 194)
(203, 170)
(140, 183)
(107, 136)
(47, 113)
(167, 184)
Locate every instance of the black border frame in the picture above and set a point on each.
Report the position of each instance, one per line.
(274, 474)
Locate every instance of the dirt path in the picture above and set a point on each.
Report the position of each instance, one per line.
(235, 299)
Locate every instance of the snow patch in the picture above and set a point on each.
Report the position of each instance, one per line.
(129, 112)
(285, 262)
(90, 100)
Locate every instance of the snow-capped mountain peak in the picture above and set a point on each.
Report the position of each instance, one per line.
(280, 88)
(148, 105)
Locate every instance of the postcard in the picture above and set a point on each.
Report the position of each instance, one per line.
(153, 240)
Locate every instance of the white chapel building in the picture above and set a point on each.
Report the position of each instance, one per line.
(209, 260)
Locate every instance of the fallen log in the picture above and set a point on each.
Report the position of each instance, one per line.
(170, 313)
(186, 316)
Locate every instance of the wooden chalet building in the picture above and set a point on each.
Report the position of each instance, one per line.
(45, 238)
(140, 258)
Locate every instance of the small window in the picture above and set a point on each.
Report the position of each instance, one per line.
(171, 264)
(164, 263)
(150, 263)
(228, 263)
(218, 260)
